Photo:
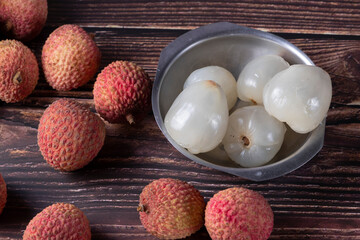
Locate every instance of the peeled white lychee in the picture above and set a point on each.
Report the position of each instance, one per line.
(198, 118)
(299, 96)
(219, 75)
(253, 137)
(256, 74)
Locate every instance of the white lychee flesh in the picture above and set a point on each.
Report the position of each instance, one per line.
(256, 74)
(299, 96)
(198, 118)
(219, 75)
(253, 137)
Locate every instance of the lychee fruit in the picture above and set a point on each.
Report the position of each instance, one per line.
(22, 19)
(70, 135)
(122, 92)
(19, 71)
(238, 214)
(70, 58)
(171, 209)
(59, 221)
(3, 193)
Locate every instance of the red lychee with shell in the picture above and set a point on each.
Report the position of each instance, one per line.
(122, 92)
(70, 58)
(70, 135)
(59, 221)
(22, 19)
(171, 209)
(238, 214)
(19, 71)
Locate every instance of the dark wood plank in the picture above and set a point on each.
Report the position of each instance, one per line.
(320, 200)
(295, 16)
(339, 57)
(107, 189)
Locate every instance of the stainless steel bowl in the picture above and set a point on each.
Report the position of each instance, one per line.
(230, 46)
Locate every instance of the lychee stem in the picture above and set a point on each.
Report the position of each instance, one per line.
(245, 140)
(8, 26)
(130, 118)
(141, 208)
(17, 78)
(253, 101)
(92, 35)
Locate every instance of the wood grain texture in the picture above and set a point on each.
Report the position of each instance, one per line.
(320, 200)
(338, 56)
(295, 16)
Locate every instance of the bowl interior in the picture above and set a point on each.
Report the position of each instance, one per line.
(232, 52)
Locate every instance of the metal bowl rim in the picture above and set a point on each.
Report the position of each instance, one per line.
(316, 136)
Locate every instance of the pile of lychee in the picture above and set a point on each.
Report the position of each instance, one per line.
(70, 135)
(205, 119)
(174, 209)
(169, 209)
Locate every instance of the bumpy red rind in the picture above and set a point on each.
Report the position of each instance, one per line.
(70, 135)
(70, 58)
(19, 71)
(171, 209)
(23, 19)
(122, 93)
(59, 221)
(238, 214)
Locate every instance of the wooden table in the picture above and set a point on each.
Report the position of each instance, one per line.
(320, 200)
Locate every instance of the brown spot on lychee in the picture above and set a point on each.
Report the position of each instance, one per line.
(17, 78)
(211, 83)
(253, 101)
(245, 140)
